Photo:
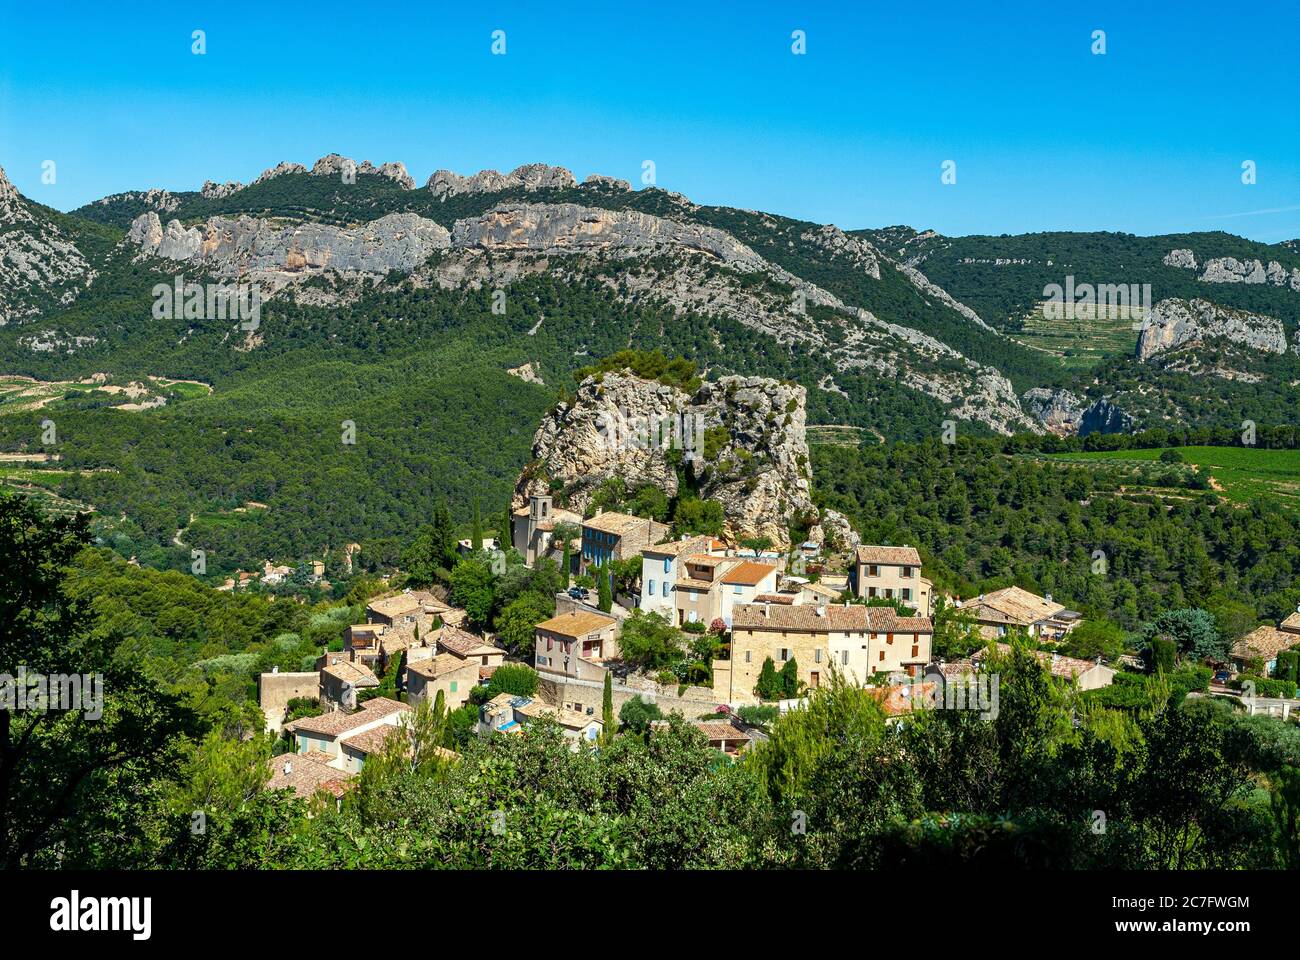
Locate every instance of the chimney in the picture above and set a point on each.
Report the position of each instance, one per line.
(1049, 597)
(821, 610)
(275, 669)
(599, 511)
(288, 767)
(767, 609)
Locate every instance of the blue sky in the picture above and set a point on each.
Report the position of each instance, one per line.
(1148, 138)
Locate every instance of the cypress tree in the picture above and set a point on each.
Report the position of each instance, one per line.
(767, 688)
(607, 710)
(604, 596)
(790, 679)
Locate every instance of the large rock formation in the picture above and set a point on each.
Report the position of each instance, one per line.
(741, 438)
(40, 265)
(1060, 411)
(1176, 323)
(266, 251)
(530, 176)
(1104, 417)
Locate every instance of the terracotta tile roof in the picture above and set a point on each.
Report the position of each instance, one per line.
(1292, 623)
(371, 741)
(1057, 664)
(898, 556)
(464, 644)
(306, 773)
(535, 709)
(786, 598)
(749, 573)
(675, 548)
(613, 522)
(577, 623)
(830, 593)
(440, 666)
(1263, 643)
(337, 722)
(1013, 605)
(901, 698)
(720, 730)
(357, 674)
(837, 618)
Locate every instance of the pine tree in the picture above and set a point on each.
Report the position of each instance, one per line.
(476, 535)
(607, 710)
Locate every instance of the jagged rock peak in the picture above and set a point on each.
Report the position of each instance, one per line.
(334, 164)
(8, 192)
(612, 183)
(212, 190)
(1060, 411)
(279, 170)
(530, 176)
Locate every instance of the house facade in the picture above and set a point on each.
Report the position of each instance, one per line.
(616, 536)
(892, 573)
(662, 566)
(447, 673)
(1001, 611)
(855, 640)
(561, 643)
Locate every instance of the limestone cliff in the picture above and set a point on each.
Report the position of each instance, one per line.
(741, 439)
(1178, 323)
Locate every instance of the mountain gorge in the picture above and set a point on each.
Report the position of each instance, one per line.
(404, 309)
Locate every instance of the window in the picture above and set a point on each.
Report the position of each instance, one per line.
(668, 564)
(871, 591)
(749, 656)
(453, 686)
(915, 650)
(817, 655)
(785, 653)
(844, 658)
(550, 643)
(882, 654)
(542, 661)
(665, 588)
(652, 588)
(889, 638)
(736, 589)
(873, 571)
(907, 573)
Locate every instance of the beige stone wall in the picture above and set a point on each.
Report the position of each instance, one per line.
(275, 690)
(579, 695)
(464, 678)
(890, 582)
(814, 653)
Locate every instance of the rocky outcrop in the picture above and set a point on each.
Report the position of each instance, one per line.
(1060, 411)
(40, 265)
(1104, 417)
(154, 199)
(249, 246)
(840, 245)
(1183, 259)
(599, 180)
(215, 191)
(279, 170)
(835, 531)
(564, 228)
(743, 440)
(1231, 270)
(530, 176)
(1176, 323)
(336, 165)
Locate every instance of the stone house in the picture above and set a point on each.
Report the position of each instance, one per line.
(567, 638)
(1263, 644)
(1013, 607)
(892, 573)
(510, 714)
(341, 680)
(662, 565)
(617, 536)
(454, 676)
(323, 735)
(855, 640)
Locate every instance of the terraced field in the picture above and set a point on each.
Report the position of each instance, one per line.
(1082, 342)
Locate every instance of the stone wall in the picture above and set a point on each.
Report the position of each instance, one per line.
(558, 691)
(275, 690)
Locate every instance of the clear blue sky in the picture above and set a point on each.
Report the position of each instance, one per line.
(1148, 138)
